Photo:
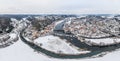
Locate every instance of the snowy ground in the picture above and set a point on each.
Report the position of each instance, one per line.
(13, 38)
(106, 41)
(57, 45)
(22, 52)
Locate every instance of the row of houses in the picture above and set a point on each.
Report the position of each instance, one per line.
(91, 27)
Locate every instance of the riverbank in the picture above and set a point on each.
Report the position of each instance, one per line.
(55, 55)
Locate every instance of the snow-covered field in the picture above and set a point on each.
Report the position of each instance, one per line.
(57, 45)
(22, 52)
(106, 41)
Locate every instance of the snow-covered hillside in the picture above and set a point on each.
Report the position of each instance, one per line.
(60, 38)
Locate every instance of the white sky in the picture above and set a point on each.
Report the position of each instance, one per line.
(59, 6)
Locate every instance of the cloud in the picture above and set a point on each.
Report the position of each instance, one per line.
(59, 6)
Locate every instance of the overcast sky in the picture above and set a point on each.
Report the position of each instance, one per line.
(59, 6)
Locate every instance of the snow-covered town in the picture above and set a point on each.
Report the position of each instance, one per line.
(59, 37)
